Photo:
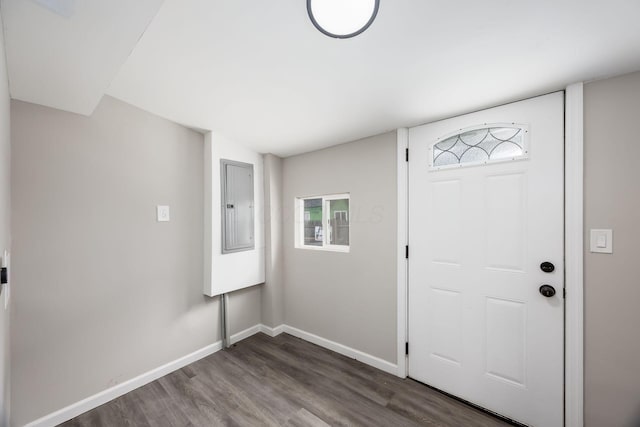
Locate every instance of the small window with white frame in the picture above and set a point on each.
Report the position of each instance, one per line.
(322, 222)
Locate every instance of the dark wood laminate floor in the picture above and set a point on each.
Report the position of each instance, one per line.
(282, 381)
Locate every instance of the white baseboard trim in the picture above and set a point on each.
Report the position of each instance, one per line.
(245, 334)
(91, 402)
(272, 332)
(368, 359)
(109, 394)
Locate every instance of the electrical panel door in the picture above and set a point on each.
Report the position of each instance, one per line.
(237, 206)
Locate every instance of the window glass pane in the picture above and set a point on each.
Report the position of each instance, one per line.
(313, 222)
(480, 146)
(339, 222)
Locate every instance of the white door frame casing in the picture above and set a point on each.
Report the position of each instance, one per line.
(574, 285)
(574, 256)
(402, 241)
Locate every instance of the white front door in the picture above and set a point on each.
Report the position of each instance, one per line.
(486, 198)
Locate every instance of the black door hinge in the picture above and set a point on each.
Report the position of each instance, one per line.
(406, 154)
(564, 292)
(406, 348)
(406, 252)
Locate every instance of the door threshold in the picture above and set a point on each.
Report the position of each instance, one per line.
(473, 405)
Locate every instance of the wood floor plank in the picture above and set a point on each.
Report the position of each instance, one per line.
(353, 407)
(318, 392)
(130, 407)
(194, 401)
(304, 418)
(283, 381)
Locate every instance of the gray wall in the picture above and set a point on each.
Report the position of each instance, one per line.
(5, 232)
(349, 298)
(245, 309)
(612, 282)
(102, 292)
(273, 289)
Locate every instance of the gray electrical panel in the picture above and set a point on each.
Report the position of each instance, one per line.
(237, 206)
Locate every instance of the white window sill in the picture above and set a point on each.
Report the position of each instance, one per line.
(330, 248)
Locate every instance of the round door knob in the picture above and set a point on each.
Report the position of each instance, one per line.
(547, 267)
(547, 291)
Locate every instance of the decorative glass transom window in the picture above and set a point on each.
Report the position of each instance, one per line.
(480, 145)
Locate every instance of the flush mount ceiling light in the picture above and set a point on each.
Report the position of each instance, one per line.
(342, 19)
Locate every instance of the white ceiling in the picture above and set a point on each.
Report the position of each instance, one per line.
(64, 53)
(260, 73)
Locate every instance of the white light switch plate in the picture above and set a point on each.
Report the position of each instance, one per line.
(602, 241)
(163, 213)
